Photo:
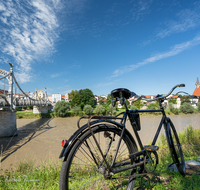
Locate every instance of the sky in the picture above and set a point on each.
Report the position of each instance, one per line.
(146, 46)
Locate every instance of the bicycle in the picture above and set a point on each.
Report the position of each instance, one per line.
(103, 154)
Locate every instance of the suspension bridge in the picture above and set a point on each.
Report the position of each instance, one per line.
(12, 96)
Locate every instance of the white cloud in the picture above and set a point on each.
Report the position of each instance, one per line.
(186, 20)
(178, 48)
(56, 75)
(28, 29)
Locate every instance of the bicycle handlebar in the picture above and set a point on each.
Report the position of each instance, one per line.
(159, 96)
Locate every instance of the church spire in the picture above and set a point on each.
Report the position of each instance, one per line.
(197, 84)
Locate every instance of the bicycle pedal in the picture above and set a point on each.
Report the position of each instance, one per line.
(151, 147)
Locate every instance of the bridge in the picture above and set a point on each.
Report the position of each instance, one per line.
(12, 96)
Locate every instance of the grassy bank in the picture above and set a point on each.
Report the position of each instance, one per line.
(31, 115)
(46, 176)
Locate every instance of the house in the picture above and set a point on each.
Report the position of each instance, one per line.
(197, 89)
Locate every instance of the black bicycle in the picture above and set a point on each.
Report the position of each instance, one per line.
(104, 155)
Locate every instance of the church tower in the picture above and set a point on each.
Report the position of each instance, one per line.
(197, 84)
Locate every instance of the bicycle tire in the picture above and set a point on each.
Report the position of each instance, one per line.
(175, 147)
(80, 171)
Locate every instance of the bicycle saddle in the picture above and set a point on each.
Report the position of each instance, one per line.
(121, 93)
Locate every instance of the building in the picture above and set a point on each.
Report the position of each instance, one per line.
(197, 89)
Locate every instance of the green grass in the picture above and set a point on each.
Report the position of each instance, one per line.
(46, 176)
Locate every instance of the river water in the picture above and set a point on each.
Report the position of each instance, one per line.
(40, 139)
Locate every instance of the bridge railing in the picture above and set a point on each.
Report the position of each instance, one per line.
(11, 99)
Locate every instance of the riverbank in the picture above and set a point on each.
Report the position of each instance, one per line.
(40, 138)
(29, 175)
(31, 115)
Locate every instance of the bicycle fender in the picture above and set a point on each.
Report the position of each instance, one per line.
(72, 140)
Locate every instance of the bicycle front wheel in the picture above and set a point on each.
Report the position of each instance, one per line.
(86, 169)
(175, 147)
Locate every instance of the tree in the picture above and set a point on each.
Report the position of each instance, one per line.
(99, 110)
(172, 101)
(75, 98)
(101, 101)
(87, 97)
(185, 99)
(187, 108)
(153, 106)
(133, 107)
(76, 110)
(111, 110)
(88, 110)
(61, 108)
(138, 104)
(198, 105)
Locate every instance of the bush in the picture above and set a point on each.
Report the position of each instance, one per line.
(187, 108)
(172, 109)
(152, 106)
(18, 108)
(133, 108)
(99, 110)
(198, 105)
(88, 109)
(61, 108)
(111, 110)
(76, 110)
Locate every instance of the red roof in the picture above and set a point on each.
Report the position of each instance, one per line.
(197, 92)
(150, 96)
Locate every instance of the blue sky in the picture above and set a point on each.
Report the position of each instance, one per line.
(147, 46)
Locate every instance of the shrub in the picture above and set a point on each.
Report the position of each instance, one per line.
(172, 109)
(187, 108)
(198, 105)
(99, 110)
(76, 110)
(111, 110)
(61, 108)
(152, 106)
(133, 108)
(18, 108)
(88, 109)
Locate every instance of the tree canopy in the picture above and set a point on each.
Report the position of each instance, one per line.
(82, 97)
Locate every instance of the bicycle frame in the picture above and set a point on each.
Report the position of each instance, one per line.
(123, 119)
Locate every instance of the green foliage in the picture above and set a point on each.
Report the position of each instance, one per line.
(75, 98)
(108, 100)
(172, 101)
(153, 106)
(99, 110)
(87, 97)
(138, 104)
(127, 102)
(88, 110)
(185, 99)
(61, 108)
(18, 108)
(82, 97)
(187, 108)
(101, 101)
(111, 110)
(133, 108)
(198, 105)
(76, 110)
(172, 109)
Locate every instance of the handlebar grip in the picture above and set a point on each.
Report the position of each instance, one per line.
(181, 85)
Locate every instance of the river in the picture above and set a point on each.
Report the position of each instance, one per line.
(40, 139)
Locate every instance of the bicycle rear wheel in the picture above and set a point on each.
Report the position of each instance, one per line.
(85, 169)
(175, 147)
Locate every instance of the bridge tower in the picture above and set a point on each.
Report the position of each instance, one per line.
(8, 126)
